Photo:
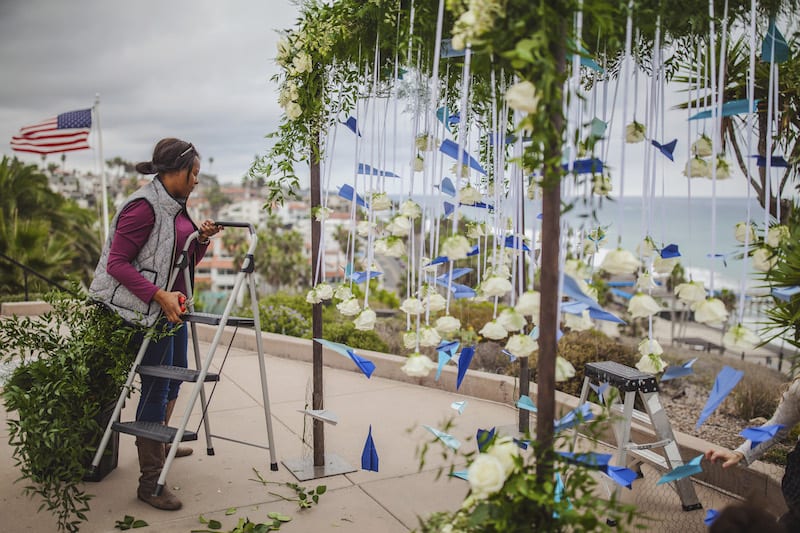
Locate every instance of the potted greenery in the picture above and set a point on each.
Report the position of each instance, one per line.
(70, 366)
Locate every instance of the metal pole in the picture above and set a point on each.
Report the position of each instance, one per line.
(102, 165)
(316, 309)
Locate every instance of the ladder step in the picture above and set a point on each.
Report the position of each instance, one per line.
(648, 445)
(214, 320)
(174, 372)
(622, 377)
(152, 431)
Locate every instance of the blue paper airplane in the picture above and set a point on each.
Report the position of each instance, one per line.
(775, 161)
(689, 469)
(724, 383)
(511, 356)
(459, 406)
(446, 351)
(621, 475)
(585, 166)
(734, 107)
(346, 192)
(774, 48)
(329, 417)
(361, 276)
(448, 440)
(484, 438)
(600, 390)
(670, 251)
(513, 241)
(572, 290)
(666, 149)
(369, 456)
(444, 116)
(365, 365)
(454, 275)
(364, 168)
(447, 187)
(480, 205)
(509, 139)
(757, 435)
(450, 148)
(447, 50)
(526, 403)
(464, 359)
(585, 58)
(461, 474)
(786, 293)
(675, 372)
(711, 516)
(351, 124)
(574, 417)
(449, 208)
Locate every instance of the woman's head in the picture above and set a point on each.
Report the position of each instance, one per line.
(177, 163)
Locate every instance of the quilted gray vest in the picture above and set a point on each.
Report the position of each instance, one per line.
(154, 262)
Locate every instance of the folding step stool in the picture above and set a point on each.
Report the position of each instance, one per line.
(175, 435)
(630, 381)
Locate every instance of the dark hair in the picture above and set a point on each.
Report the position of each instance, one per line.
(169, 155)
(745, 517)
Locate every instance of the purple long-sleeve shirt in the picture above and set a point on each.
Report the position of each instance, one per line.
(134, 225)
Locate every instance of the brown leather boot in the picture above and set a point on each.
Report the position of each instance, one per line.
(183, 451)
(151, 461)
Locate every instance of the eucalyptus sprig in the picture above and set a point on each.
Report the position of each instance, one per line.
(306, 497)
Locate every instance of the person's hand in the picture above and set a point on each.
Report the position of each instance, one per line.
(172, 304)
(727, 457)
(207, 229)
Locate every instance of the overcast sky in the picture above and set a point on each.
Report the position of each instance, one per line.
(195, 69)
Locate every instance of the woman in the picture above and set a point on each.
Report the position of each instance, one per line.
(786, 414)
(146, 239)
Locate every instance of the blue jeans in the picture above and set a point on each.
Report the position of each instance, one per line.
(156, 392)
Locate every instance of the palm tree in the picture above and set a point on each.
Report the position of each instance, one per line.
(786, 130)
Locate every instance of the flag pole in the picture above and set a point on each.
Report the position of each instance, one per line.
(96, 109)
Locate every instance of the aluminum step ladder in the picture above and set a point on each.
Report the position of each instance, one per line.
(200, 375)
(630, 382)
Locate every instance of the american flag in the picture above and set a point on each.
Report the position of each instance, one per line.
(64, 133)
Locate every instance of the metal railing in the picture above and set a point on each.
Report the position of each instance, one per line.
(26, 270)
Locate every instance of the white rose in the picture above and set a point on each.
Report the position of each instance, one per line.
(342, 292)
(650, 346)
(469, 195)
(456, 247)
(711, 311)
(312, 297)
(419, 164)
(776, 235)
(380, 202)
(324, 291)
(390, 246)
(697, 168)
(428, 336)
(486, 475)
(418, 365)
(528, 304)
(323, 213)
(643, 305)
(425, 142)
(580, 322)
(723, 170)
(302, 63)
(349, 307)
(511, 320)
(619, 262)
(740, 338)
(665, 266)
(506, 451)
(651, 363)
(412, 306)
(364, 227)
(365, 321)
(399, 226)
(410, 340)
(646, 248)
(457, 42)
(691, 292)
(564, 369)
(522, 97)
(741, 232)
(293, 110)
(521, 345)
(577, 269)
(493, 330)
(763, 260)
(475, 230)
(447, 324)
(634, 132)
(645, 282)
(435, 302)
(702, 146)
(410, 209)
(495, 286)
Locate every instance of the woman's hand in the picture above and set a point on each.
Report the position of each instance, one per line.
(172, 304)
(207, 229)
(727, 457)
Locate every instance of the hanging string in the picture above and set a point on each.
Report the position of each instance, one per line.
(626, 78)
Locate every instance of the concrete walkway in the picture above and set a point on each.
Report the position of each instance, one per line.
(222, 486)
